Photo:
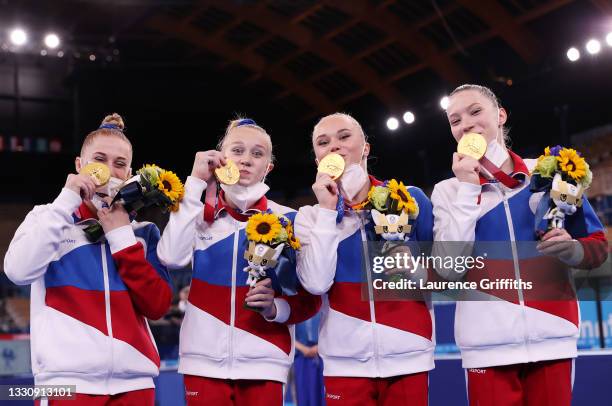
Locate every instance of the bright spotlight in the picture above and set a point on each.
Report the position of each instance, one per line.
(393, 124)
(609, 39)
(573, 54)
(408, 117)
(593, 46)
(444, 102)
(18, 37)
(52, 41)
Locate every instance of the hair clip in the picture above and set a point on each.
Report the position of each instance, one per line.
(110, 127)
(245, 121)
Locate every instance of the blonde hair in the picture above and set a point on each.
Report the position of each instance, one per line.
(245, 122)
(488, 93)
(112, 125)
(346, 116)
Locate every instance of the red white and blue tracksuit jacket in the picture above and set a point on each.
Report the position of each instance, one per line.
(219, 337)
(362, 338)
(89, 301)
(509, 326)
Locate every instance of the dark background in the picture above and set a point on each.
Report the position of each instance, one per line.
(177, 71)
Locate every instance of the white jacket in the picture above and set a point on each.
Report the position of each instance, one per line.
(361, 338)
(89, 301)
(220, 338)
(524, 328)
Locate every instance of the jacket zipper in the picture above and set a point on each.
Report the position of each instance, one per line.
(233, 296)
(366, 253)
(515, 260)
(109, 324)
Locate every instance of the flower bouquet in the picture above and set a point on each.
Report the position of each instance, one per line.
(392, 207)
(563, 175)
(151, 186)
(271, 252)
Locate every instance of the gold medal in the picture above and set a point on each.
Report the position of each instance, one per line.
(332, 164)
(99, 172)
(472, 144)
(228, 174)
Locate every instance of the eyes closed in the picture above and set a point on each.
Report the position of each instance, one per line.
(473, 112)
(324, 140)
(119, 163)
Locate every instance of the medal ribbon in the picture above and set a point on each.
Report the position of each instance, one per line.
(498, 174)
(210, 200)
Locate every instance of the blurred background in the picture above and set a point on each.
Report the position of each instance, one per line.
(179, 70)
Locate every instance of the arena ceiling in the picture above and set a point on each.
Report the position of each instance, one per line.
(306, 58)
(314, 57)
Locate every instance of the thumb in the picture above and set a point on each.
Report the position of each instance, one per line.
(456, 157)
(333, 188)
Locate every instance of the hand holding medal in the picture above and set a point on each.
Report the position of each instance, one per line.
(470, 149)
(228, 174)
(150, 186)
(90, 177)
(474, 146)
(207, 162)
(333, 165)
(330, 169)
(99, 173)
(326, 189)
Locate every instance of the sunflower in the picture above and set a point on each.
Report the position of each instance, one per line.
(400, 194)
(294, 242)
(171, 186)
(572, 163)
(263, 227)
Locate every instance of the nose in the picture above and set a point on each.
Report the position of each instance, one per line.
(245, 160)
(467, 127)
(334, 147)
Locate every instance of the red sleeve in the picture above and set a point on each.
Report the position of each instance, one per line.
(303, 305)
(595, 247)
(151, 294)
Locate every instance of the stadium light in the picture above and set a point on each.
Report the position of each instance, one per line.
(52, 41)
(18, 37)
(573, 54)
(408, 117)
(444, 102)
(392, 123)
(593, 46)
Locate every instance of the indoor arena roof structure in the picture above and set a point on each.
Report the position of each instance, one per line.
(314, 57)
